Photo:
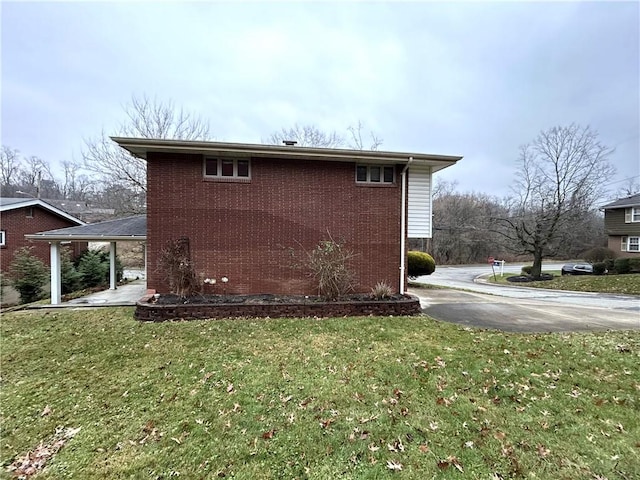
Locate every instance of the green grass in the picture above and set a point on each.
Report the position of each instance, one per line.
(620, 284)
(335, 398)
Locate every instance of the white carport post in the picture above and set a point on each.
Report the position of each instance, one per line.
(112, 266)
(56, 278)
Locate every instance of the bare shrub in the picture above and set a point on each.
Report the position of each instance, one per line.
(329, 265)
(178, 269)
(381, 291)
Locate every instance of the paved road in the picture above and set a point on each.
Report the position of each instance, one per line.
(513, 308)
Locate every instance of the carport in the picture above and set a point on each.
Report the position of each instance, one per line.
(129, 229)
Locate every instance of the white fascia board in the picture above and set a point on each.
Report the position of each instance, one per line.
(40, 203)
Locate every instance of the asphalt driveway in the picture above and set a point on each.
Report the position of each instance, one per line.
(516, 309)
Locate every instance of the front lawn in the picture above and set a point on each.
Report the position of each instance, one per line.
(628, 284)
(337, 398)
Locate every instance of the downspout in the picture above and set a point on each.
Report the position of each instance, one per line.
(403, 223)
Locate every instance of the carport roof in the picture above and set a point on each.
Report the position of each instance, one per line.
(129, 228)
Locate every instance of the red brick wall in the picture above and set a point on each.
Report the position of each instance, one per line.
(242, 230)
(16, 223)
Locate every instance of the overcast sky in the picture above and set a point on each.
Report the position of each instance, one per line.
(474, 79)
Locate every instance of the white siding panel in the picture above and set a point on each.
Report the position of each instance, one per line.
(419, 199)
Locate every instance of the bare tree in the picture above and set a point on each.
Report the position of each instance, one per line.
(9, 168)
(630, 187)
(75, 185)
(312, 136)
(560, 178)
(126, 174)
(35, 178)
(357, 143)
(463, 231)
(306, 136)
(148, 118)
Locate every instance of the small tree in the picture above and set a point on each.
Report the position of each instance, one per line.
(28, 275)
(70, 277)
(178, 269)
(93, 269)
(328, 264)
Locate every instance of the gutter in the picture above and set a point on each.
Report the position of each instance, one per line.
(403, 224)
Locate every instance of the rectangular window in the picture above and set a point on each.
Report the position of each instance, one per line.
(3, 238)
(29, 212)
(632, 215)
(211, 167)
(375, 174)
(630, 244)
(227, 168)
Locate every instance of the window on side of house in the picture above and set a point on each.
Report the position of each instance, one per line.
(227, 168)
(3, 238)
(375, 174)
(632, 215)
(630, 244)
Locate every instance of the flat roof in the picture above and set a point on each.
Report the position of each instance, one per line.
(140, 147)
(120, 229)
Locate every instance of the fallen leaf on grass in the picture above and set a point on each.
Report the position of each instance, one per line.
(392, 465)
(46, 411)
(34, 461)
(327, 422)
(543, 451)
(450, 460)
(269, 435)
(368, 419)
(423, 448)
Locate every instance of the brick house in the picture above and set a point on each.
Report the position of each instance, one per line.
(243, 207)
(622, 225)
(21, 216)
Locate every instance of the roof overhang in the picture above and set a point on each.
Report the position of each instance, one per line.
(44, 237)
(33, 202)
(141, 147)
(126, 229)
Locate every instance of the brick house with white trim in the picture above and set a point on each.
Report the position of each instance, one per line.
(243, 206)
(22, 216)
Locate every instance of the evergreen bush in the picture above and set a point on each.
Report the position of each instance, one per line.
(420, 263)
(28, 275)
(70, 278)
(599, 268)
(609, 262)
(621, 266)
(93, 268)
(634, 265)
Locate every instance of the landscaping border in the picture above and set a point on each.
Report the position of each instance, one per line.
(148, 311)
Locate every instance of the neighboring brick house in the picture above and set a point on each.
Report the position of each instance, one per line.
(243, 207)
(622, 225)
(20, 216)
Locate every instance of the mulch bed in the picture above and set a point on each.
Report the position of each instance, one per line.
(262, 299)
(528, 278)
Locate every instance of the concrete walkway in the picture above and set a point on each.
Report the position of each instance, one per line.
(123, 296)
